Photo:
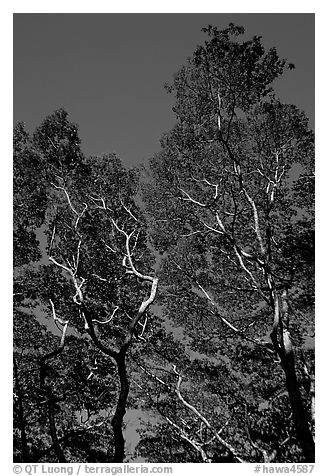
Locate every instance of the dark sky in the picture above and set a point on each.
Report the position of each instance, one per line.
(108, 70)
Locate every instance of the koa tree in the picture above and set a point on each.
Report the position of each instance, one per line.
(83, 261)
(231, 207)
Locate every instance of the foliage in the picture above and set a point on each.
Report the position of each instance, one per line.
(71, 215)
(222, 367)
(235, 228)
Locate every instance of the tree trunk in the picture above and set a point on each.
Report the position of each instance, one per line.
(284, 347)
(53, 430)
(299, 414)
(25, 451)
(117, 421)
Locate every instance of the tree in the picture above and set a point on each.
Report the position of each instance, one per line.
(229, 213)
(89, 255)
(231, 204)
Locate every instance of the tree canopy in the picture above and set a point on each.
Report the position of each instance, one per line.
(219, 236)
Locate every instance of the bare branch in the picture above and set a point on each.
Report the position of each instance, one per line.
(100, 278)
(213, 229)
(223, 319)
(118, 228)
(128, 211)
(52, 238)
(131, 269)
(218, 219)
(77, 259)
(81, 215)
(224, 426)
(78, 215)
(155, 377)
(78, 297)
(129, 257)
(192, 233)
(94, 199)
(189, 199)
(224, 443)
(204, 180)
(192, 441)
(219, 112)
(57, 319)
(59, 349)
(60, 265)
(256, 221)
(109, 247)
(256, 284)
(108, 320)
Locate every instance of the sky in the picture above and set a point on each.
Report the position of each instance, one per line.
(108, 70)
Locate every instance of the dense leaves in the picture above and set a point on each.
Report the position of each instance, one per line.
(73, 216)
(221, 369)
(235, 227)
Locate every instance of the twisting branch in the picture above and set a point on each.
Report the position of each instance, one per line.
(78, 286)
(109, 319)
(89, 327)
(84, 313)
(78, 283)
(119, 356)
(135, 242)
(131, 269)
(273, 184)
(142, 309)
